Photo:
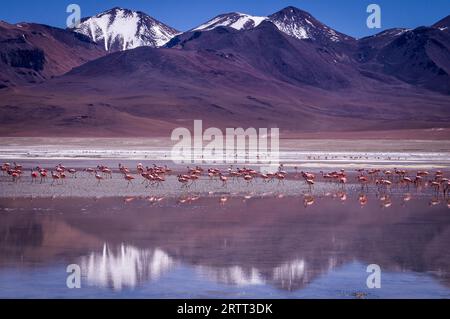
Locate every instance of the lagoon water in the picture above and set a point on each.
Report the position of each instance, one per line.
(262, 247)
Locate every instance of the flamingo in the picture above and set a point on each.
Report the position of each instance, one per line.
(384, 183)
(34, 176)
(264, 177)
(363, 180)
(388, 174)
(423, 173)
(107, 172)
(98, 177)
(310, 183)
(55, 177)
(62, 177)
(248, 178)
(234, 175)
(43, 174)
(159, 180)
(194, 177)
(224, 180)
(15, 175)
(445, 187)
(4, 169)
(343, 181)
(418, 180)
(17, 167)
(327, 177)
(183, 180)
(129, 178)
(308, 175)
(280, 176)
(73, 172)
(407, 180)
(148, 178)
(436, 186)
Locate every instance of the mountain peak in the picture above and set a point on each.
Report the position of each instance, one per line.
(302, 25)
(115, 9)
(290, 20)
(443, 24)
(291, 10)
(121, 29)
(235, 20)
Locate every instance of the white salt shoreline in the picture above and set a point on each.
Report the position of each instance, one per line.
(290, 159)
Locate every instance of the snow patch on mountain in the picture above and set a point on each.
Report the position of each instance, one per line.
(122, 29)
(293, 30)
(393, 32)
(235, 20)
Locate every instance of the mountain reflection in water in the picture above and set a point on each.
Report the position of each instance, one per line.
(125, 267)
(274, 246)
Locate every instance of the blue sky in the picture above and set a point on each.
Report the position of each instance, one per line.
(348, 16)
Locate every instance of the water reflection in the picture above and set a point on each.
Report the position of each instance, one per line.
(234, 275)
(291, 274)
(284, 244)
(126, 266)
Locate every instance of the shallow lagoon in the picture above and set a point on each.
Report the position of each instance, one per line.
(261, 247)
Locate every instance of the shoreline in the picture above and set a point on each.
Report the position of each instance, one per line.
(357, 143)
(86, 186)
(296, 155)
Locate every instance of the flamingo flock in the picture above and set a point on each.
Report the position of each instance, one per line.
(156, 176)
(234, 175)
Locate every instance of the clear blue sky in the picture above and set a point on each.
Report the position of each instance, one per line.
(348, 16)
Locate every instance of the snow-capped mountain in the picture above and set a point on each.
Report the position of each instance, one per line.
(300, 24)
(292, 21)
(122, 29)
(235, 20)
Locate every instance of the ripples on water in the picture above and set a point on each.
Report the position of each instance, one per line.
(273, 247)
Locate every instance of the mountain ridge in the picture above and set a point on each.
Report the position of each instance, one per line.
(290, 20)
(255, 77)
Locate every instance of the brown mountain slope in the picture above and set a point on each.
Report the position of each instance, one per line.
(259, 77)
(32, 53)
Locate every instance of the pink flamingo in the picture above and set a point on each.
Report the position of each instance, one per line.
(129, 178)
